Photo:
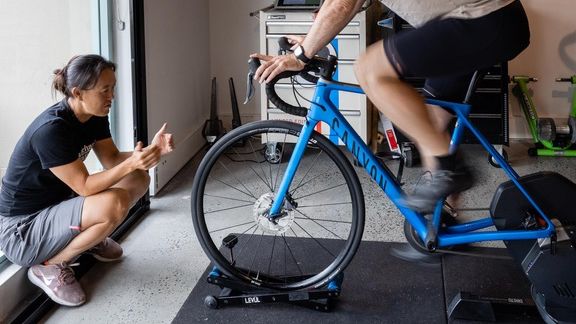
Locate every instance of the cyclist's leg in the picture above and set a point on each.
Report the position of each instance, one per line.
(459, 46)
(399, 101)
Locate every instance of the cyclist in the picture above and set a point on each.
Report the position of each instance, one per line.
(451, 39)
(51, 208)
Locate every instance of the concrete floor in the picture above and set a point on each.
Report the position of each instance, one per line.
(163, 260)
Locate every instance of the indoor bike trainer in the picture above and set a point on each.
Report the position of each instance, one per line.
(549, 138)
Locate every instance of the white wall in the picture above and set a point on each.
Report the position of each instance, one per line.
(177, 77)
(28, 57)
(233, 37)
(551, 54)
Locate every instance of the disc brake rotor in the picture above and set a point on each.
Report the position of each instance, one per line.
(278, 225)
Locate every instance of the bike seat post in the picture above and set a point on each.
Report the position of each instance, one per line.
(478, 75)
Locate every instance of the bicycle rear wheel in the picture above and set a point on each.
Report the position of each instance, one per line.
(323, 216)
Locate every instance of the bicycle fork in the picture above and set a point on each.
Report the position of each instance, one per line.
(293, 163)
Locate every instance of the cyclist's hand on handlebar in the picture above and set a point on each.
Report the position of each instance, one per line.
(271, 66)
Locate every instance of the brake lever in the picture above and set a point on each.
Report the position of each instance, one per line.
(253, 64)
(283, 45)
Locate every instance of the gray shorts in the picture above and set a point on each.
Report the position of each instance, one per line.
(32, 239)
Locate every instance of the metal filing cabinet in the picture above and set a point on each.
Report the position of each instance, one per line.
(347, 46)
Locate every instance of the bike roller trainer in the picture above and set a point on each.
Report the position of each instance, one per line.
(235, 292)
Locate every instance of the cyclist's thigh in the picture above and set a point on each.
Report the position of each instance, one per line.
(374, 62)
(458, 46)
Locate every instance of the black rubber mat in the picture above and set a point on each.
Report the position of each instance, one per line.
(489, 278)
(377, 288)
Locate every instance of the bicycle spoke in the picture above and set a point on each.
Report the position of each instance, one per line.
(319, 191)
(271, 254)
(238, 180)
(261, 167)
(255, 253)
(292, 255)
(313, 179)
(229, 198)
(259, 177)
(281, 157)
(270, 164)
(231, 186)
(324, 227)
(306, 174)
(324, 220)
(246, 243)
(256, 173)
(315, 240)
(323, 205)
(228, 208)
(229, 227)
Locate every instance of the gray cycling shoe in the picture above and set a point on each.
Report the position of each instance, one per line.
(438, 185)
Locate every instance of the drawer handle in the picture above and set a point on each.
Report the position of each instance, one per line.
(273, 36)
(303, 23)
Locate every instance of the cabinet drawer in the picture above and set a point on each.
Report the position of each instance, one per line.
(346, 100)
(491, 81)
(354, 117)
(487, 101)
(344, 73)
(492, 127)
(302, 27)
(345, 47)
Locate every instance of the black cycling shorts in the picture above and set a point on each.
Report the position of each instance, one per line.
(447, 51)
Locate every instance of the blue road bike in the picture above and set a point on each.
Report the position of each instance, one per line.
(276, 204)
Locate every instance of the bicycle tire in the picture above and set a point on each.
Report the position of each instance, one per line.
(332, 238)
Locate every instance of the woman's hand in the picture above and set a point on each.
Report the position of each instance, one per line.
(145, 158)
(271, 66)
(164, 141)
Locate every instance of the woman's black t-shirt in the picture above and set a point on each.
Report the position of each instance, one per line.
(54, 138)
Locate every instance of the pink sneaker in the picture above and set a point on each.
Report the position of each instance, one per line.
(106, 251)
(58, 282)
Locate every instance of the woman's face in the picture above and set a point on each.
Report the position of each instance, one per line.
(98, 100)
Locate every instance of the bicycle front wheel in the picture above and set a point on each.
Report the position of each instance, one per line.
(322, 218)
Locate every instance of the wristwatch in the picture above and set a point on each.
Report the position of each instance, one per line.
(299, 52)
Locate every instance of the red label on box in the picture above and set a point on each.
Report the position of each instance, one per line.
(391, 139)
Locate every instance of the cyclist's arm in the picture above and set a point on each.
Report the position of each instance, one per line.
(333, 16)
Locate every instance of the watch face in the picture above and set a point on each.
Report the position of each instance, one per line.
(298, 51)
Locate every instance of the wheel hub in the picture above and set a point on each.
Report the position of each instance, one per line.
(278, 225)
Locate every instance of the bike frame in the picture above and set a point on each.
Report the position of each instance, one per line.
(323, 110)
